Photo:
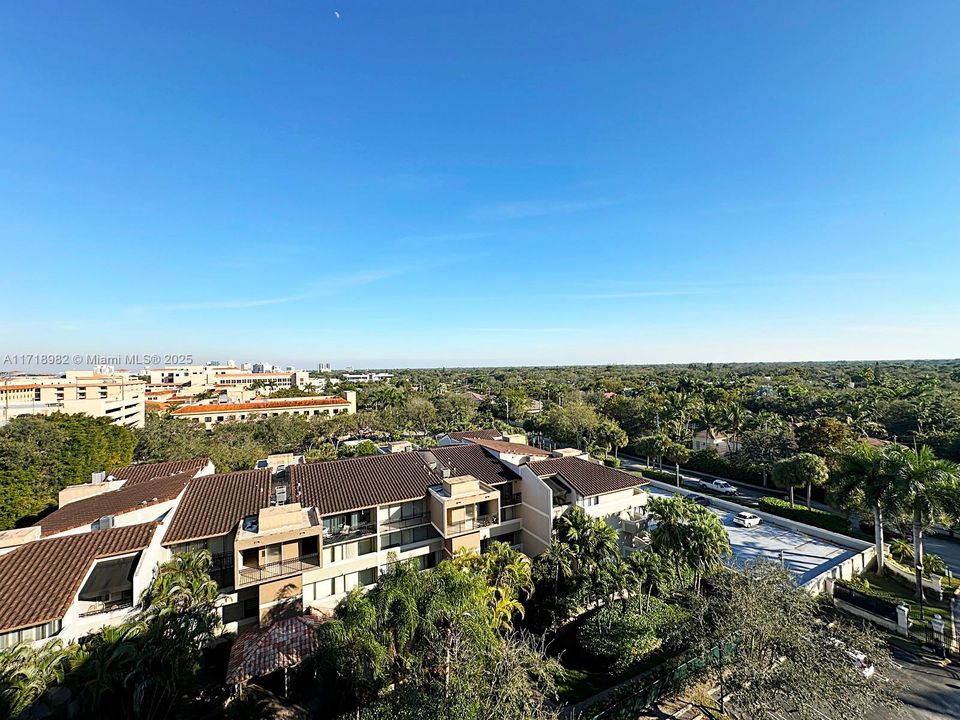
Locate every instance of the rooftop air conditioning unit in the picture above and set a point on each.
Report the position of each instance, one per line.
(106, 522)
(281, 494)
(98, 477)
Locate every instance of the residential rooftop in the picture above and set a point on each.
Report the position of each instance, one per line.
(39, 580)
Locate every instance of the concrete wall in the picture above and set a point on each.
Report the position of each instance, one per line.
(536, 511)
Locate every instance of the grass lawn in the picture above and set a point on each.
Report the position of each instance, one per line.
(897, 591)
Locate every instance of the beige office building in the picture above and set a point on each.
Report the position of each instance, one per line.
(116, 396)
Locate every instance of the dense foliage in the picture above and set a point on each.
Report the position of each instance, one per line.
(42, 454)
(817, 518)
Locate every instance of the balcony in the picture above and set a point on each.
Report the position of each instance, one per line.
(510, 499)
(413, 521)
(470, 524)
(279, 569)
(348, 532)
(99, 608)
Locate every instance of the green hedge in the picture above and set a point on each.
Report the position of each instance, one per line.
(817, 518)
(708, 461)
(667, 477)
(611, 461)
(617, 637)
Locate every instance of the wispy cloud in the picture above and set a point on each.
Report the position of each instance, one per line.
(641, 294)
(539, 208)
(324, 288)
(441, 238)
(525, 329)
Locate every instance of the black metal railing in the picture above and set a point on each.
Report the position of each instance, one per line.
(510, 499)
(403, 523)
(875, 605)
(269, 571)
(348, 533)
(472, 524)
(99, 608)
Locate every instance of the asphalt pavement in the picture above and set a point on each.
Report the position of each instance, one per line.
(931, 692)
(946, 547)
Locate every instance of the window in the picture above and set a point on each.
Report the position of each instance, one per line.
(368, 576)
(591, 501)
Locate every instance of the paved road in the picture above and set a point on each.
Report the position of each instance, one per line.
(942, 545)
(931, 692)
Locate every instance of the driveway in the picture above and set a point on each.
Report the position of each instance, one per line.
(931, 693)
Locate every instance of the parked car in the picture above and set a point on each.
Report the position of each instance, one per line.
(718, 486)
(746, 519)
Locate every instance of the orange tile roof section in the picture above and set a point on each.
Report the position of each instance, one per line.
(40, 580)
(263, 405)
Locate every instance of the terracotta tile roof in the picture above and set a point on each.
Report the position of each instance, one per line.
(585, 477)
(476, 435)
(20, 387)
(260, 405)
(510, 448)
(474, 460)
(40, 580)
(148, 471)
(128, 498)
(214, 504)
(353, 483)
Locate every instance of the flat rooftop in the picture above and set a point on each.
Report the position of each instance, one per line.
(804, 555)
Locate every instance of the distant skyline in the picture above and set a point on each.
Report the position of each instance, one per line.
(449, 184)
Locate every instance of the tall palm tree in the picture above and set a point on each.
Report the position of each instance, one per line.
(863, 473)
(928, 488)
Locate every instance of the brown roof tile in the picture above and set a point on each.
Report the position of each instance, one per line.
(128, 498)
(39, 580)
(473, 460)
(352, 483)
(585, 477)
(148, 471)
(476, 434)
(214, 504)
(510, 448)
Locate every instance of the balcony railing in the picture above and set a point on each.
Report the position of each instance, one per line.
(270, 571)
(472, 524)
(510, 499)
(412, 521)
(99, 608)
(348, 533)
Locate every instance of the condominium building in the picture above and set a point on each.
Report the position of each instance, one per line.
(118, 397)
(213, 413)
(304, 534)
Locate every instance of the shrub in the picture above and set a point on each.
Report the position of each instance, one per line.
(817, 518)
(610, 461)
(616, 638)
(933, 565)
(667, 477)
(901, 551)
(708, 461)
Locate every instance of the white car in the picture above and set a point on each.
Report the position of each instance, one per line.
(746, 519)
(718, 486)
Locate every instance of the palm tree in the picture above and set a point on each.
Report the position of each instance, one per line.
(863, 473)
(803, 469)
(927, 487)
(688, 535)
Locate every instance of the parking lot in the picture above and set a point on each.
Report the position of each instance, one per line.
(804, 555)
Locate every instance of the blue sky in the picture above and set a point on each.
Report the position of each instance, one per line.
(453, 183)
